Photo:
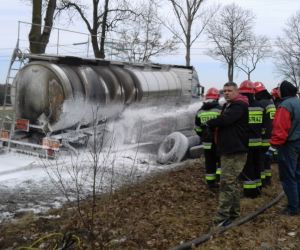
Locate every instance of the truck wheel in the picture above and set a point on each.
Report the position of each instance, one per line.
(173, 148)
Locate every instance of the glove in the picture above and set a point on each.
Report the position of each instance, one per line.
(270, 152)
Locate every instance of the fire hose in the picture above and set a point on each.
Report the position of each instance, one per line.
(63, 241)
(197, 241)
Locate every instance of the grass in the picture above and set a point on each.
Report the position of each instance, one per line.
(159, 213)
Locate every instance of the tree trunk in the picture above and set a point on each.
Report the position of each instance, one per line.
(231, 63)
(38, 41)
(95, 44)
(35, 31)
(230, 71)
(103, 30)
(188, 46)
(188, 55)
(48, 25)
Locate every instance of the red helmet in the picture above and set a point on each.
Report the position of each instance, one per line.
(247, 87)
(275, 92)
(212, 93)
(258, 87)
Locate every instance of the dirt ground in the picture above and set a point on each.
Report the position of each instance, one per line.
(160, 212)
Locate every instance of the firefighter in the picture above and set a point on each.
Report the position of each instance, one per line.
(251, 172)
(265, 99)
(209, 110)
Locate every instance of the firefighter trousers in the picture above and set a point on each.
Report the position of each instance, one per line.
(251, 175)
(212, 165)
(266, 174)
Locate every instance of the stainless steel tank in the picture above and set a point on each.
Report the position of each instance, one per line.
(59, 95)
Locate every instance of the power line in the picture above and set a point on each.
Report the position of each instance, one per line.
(52, 45)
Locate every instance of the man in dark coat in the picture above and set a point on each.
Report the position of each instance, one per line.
(232, 145)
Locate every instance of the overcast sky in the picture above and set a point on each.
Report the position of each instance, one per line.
(271, 16)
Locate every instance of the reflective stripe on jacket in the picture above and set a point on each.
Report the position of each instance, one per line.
(268, 117)
(208, 111)
(255, 112)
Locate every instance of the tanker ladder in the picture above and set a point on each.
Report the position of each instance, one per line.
(7, 116)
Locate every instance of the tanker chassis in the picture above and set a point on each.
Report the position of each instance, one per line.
(61, 101)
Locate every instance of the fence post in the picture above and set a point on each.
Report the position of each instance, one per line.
(88, 46)
(57, 48)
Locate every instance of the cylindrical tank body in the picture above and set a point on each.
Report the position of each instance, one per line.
(61, 95)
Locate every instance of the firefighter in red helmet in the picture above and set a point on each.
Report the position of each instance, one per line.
(251, 172)
(265, 100)
(209, 110)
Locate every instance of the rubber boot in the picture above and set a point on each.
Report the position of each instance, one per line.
(263, 179)
(212, 185)
(218, 174)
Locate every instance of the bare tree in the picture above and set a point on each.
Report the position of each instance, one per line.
(230, 32)
(188, 14)
(38, 36)
(288, 56)
(141, 39)
(255, 50)
(82, 179)
(104, 18)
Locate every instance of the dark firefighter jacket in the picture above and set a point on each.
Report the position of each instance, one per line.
(208, 111)
(268, 117)
(264, 98)
(255, 122)
(232, 127)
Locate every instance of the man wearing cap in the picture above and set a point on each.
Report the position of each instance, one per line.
(286, 138)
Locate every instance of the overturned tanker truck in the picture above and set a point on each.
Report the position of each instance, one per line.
(59, 101)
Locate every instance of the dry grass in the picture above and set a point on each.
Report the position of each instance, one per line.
(161, 212)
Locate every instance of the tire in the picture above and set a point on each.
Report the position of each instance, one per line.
(173, 148)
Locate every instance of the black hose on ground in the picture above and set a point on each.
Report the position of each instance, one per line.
(206, 237)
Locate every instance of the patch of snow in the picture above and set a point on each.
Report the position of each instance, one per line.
(28, 183)
(31, 184)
